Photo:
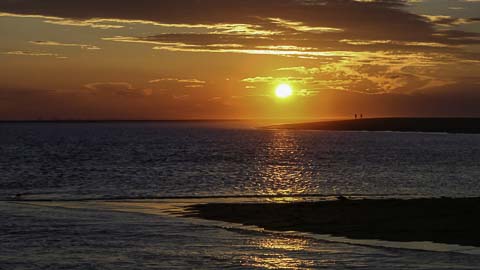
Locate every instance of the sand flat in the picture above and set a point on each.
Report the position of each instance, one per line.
(444, 220)
(442, 125)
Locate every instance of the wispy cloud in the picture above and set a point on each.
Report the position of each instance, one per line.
(61, 44)
(303, 70)
(190, 81)
(445, 20)
(93, 23)
(185, 83)
(32, 53)
(117, 88)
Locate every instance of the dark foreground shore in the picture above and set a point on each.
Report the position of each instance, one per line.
(449, 125)
(449, 221)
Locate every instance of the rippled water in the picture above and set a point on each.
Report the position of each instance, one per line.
(153, 160)
(109, 160)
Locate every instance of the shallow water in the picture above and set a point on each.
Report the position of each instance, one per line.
(81, 162)
(91, 236)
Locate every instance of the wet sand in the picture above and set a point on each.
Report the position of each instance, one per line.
(444, 220)
(449, 125)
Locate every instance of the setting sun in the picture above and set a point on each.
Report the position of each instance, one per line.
(283, 91)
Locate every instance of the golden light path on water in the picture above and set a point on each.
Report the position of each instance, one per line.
(279, 260)
(278, 171)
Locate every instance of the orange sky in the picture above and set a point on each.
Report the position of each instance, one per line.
(148, 59)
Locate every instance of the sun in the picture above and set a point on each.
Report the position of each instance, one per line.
(283, 91)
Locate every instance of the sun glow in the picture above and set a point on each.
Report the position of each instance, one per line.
(283, 91)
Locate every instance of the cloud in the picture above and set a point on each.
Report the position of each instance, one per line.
(190, 11)
(83, 23)
(301, 27)
(277, 79)
(445, 20)
(32, 53)
(399, 43)
(117, 88)
(93, 23)
(60, 44)
(293, 28)
(185, 83)
(302, 70)
(280, 50)
(373, 73)
(267, 17)
(190, 81)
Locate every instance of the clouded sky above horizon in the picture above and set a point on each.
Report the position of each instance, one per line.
(148, 59)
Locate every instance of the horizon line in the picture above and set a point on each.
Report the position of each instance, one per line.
(224, 120)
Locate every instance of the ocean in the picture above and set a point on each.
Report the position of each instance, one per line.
(65, 190)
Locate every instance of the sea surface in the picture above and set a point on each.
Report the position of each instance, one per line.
(138, 160)
(57, 180)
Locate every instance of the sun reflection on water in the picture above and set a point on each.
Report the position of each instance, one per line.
(275, 254)
(279, 170)
(291, 244)
(276, 261)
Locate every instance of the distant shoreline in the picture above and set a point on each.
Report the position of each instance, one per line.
(121, 121)
(442, 125)
(435, 125)
(445, 220)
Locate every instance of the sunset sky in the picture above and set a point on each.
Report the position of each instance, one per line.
(202, 59)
